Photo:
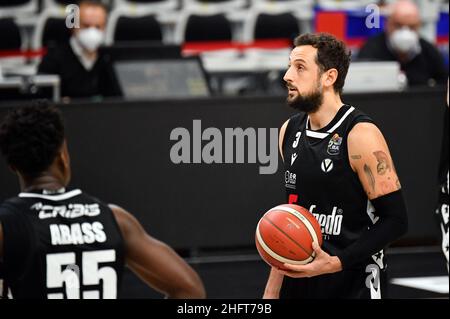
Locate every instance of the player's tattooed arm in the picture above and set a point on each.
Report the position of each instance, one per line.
(156, 263)
(383, 162)
(375, 168)
(385, 165)
(370, 178)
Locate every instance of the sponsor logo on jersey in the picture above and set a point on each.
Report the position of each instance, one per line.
(327, 165)
(334, 144)
(290, 179)
(331, 224)
(66, 211)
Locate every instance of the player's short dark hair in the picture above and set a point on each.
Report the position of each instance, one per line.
(31, 137)
(332, 53)
(96, 3)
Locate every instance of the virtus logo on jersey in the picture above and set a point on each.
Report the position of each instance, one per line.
(331, 224)
(326, 165)
(226, 147)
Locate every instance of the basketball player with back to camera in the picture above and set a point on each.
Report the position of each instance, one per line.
(337, 165)
(58, 243)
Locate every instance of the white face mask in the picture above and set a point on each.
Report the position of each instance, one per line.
(406, 41)
(90, 38)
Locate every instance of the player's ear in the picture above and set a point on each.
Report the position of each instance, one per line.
(64, 159)
(330, 77)
(65, 155)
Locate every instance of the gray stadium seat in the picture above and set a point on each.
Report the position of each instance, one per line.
(14, 8)
(203, 27)
(11, 38)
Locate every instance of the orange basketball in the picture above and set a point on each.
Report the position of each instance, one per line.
(285, 235)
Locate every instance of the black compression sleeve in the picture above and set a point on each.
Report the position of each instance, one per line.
(392, 223)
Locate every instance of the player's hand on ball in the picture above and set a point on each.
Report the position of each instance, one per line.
(323, 263)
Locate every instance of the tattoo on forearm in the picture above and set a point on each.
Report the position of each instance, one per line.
(387, 187)
(383, 162)
(355, 157)
(370, 177)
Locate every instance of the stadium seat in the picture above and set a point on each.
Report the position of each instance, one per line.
(125, 25)
(274, 24)
(218, 5)
(343, 4)
(146, 6)
(14, 8)
(203, 27)
(51, 28)
(11, 38)
(296, 5)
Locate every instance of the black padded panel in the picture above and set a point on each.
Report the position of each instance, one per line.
(278, 26)
(10, 38)
(144, 28)
(55, 32)
(208, 28)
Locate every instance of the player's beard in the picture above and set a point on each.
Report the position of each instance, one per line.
(308, 103)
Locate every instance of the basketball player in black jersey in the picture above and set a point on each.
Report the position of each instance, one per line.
(56, 243)
(337, 165)
(442, 211)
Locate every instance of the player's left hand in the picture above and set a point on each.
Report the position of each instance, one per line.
(323, 263)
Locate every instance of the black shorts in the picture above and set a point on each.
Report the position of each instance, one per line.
(353, 283)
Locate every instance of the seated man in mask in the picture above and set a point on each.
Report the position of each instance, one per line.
(83, 73)
(400, 41)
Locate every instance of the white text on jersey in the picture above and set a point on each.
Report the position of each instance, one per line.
(66, 211)
(330, 224)
(77, 234)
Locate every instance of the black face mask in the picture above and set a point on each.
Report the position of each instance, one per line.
(307, 103)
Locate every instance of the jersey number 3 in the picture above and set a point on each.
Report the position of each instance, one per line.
(62, 271)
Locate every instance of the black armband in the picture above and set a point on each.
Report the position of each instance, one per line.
(392, 224)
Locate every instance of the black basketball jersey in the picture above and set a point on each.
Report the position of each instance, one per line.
(318, 176)
(61, 245)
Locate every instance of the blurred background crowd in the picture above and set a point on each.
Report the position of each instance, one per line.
(114, 48)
